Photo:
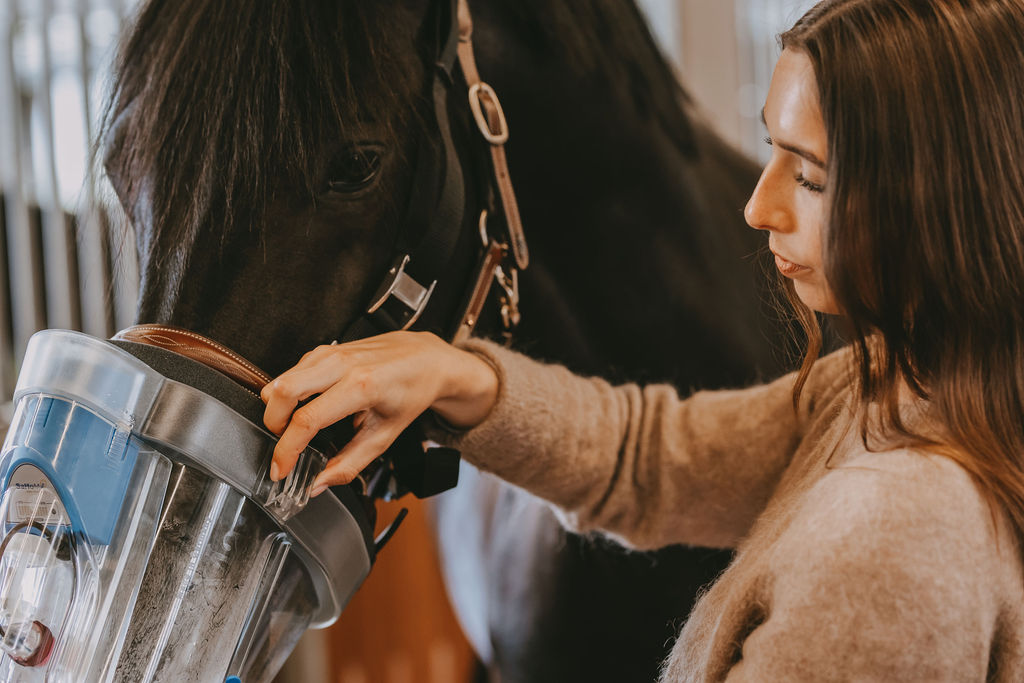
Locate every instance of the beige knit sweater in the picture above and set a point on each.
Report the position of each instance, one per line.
(851, 565)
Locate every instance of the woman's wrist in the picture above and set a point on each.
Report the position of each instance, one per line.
(470, 392)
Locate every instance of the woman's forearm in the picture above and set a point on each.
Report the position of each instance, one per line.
(644, 464)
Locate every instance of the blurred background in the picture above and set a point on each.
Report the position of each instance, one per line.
(58, 267)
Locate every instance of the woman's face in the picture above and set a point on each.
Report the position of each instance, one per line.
(789, 200)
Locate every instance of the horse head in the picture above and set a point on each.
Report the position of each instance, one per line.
(266, 156)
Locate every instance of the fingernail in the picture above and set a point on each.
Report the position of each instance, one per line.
(275, 472)
(317, 490)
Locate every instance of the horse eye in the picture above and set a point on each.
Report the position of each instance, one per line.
(354, 169)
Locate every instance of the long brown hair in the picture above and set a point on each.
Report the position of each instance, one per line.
(924, 241)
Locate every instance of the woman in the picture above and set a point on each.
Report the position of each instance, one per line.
(875, 498)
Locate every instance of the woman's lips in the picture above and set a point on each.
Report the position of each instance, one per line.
(788, 268)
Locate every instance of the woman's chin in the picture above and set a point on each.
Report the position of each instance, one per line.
(816, 297)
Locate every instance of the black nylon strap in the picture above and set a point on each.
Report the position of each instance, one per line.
(428, 236)
(434, 218)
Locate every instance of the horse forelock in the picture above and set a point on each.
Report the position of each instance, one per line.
(221, 109)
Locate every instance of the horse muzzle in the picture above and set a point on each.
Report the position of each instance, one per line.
(141, 536)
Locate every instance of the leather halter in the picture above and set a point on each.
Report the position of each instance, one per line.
(490, 119)
(438, 220)
(200, 349)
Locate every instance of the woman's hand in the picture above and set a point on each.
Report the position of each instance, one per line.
(386, 382)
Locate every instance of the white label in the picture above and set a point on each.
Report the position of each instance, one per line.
(33, 498)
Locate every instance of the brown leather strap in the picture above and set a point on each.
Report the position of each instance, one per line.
(487, 99)
(200, 349)
(492, 258)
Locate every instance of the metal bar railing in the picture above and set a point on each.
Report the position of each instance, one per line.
(6, 322)
(61, 264)
(28, 304)
(63, 305)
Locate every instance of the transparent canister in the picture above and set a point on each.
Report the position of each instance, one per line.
(124, 557)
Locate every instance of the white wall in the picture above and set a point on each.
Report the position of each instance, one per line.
(724, 51)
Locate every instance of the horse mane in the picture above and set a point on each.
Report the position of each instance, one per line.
(233, 116)
(610, 41)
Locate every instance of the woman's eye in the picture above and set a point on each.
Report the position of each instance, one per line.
(804, 182)
(354, 169)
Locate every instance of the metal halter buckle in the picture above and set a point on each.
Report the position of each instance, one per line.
(410, 294)
(509, 298)
(477, 91)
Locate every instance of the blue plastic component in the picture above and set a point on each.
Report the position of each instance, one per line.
(232, 679)
(88, 461)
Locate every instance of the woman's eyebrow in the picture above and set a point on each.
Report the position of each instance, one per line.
(799, 151)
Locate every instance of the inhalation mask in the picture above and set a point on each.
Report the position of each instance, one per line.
(141, 537)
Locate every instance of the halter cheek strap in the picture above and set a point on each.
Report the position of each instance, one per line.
(434, 219)
(437, 218)
(490, 119)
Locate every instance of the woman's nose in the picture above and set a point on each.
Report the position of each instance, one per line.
(765, 210)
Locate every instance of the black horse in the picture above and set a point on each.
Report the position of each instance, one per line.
(266, 153)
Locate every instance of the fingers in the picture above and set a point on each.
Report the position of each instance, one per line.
(335, 404)
(313, 374)
(285, 392)
(402, 367)
(368, 444)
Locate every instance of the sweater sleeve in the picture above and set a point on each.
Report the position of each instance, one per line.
(900, 583)
(641, 464)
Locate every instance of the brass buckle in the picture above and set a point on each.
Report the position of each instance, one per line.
(509, 298)
(508, 283)
(400, 286)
